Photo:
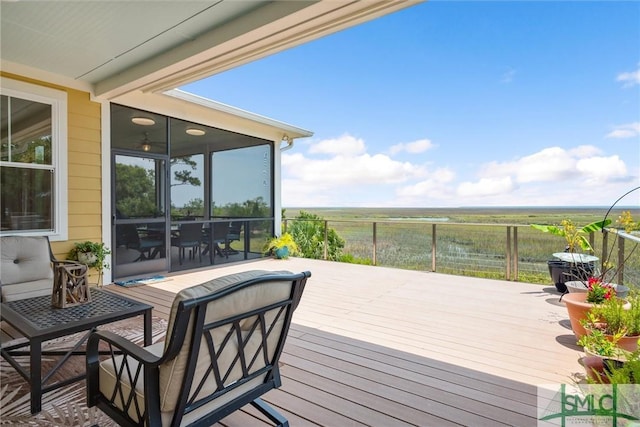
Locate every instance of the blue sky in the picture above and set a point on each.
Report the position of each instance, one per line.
(449, 104)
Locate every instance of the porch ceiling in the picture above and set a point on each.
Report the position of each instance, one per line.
(116, 47)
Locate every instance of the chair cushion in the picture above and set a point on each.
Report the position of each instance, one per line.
(36, 288)
(248, 299)
(25, 267)
(25, 259)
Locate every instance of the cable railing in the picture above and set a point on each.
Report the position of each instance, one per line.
(514, 252)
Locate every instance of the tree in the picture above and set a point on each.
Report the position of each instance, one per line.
(135, 191)
(308, 232)
(183, 177)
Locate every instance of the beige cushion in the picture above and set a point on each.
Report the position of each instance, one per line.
(37, 288)
(238, 302)
(25, 267)
(107, 375)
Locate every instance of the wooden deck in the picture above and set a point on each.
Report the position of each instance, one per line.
(384, 347)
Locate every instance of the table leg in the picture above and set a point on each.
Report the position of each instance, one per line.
(147, 328)
(35, 375)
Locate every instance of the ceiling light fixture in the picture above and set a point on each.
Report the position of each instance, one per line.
(146, 144)
(143, 121)
(195, 132)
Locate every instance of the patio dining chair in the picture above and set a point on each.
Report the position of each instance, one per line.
(224, 340)
(189, 236)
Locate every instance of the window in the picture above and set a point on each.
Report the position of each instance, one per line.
(33, 153)
(242, 182)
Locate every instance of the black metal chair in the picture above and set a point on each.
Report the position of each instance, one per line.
(235, 230)
(215, 235)
(147, 247)
(189, 236)
(221, 352)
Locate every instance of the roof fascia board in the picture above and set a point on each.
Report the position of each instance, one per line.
(228, 109)
(195, 109)
(177, 59)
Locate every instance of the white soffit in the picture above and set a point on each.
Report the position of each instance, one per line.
(120, 46)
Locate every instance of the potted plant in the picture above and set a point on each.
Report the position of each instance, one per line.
(616, 317)
(92, 254)
(281, 247)
(580, 304)
(601, 354)
(571, 264)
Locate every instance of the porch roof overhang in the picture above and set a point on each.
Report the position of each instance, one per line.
(193, 108)
(112, 48)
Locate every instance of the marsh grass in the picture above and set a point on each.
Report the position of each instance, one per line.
(470, 242)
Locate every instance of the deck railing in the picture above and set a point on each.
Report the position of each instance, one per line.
(513, 252)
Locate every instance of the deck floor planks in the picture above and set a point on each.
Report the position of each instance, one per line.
(366, 346)
(444, 401)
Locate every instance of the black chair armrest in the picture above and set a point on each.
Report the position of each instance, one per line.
(122, 345)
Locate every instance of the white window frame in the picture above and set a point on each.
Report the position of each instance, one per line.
(58, 101)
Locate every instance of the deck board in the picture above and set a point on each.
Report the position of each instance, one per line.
(379, 346)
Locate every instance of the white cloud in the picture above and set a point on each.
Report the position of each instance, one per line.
(344, 145)
(415, 147)
(625, 131)
(574, 168)
(630, 78)
(434, 186)
(487, 187)
(341, 172)
(549, 164)
(596, 170)
(348, 168)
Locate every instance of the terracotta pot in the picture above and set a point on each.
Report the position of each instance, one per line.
(599, 368)
(577, 307)
(628, 343)
(594, 368)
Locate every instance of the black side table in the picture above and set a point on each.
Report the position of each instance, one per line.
(38, 322)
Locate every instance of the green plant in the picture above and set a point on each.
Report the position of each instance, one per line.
(99, 250)
(573, 235)
(627, 372)
(285, 240)
(615, 316)
(308, 230)
(596, 342)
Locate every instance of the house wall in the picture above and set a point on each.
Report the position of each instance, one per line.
(83, 168)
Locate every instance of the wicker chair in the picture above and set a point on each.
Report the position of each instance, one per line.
(221, 352)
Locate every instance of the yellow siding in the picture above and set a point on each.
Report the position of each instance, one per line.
(84, 166)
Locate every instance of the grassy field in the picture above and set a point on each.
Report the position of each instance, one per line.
(469, 241)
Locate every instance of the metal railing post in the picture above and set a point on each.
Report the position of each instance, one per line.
(375, 242)
(433, 248)
(515, 253)
(620, 260)
(508, 253)
(326, 240)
